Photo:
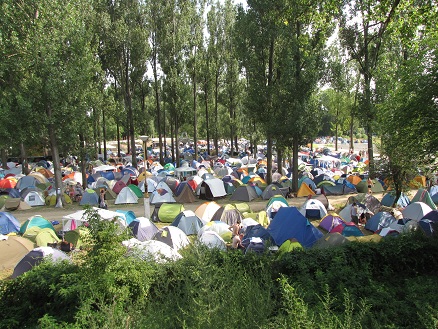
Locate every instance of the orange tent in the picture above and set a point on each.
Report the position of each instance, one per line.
(8, 183)
(354, 179)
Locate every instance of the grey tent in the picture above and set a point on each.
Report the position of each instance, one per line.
(244, 193)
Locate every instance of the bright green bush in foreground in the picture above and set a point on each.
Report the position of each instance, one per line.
(392, 284)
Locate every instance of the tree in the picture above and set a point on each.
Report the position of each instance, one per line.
(362, 32)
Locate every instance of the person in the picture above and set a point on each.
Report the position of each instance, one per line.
(102, 203)
(353, 213)
(362, 219)
(236, 239)
(370, 185)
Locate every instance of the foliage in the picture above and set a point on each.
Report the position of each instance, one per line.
(389, 284)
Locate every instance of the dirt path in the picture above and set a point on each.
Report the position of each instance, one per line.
(52, 213)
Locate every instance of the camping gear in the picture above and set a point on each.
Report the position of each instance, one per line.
(168, 212)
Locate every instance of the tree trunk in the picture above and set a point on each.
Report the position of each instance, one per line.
(206, 116)
(268, 177)
(105, 156)
(56, 162)
(195, 117)
(4, 157)
(24, 161)
(295, 165)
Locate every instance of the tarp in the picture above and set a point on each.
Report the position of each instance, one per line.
(290, 223)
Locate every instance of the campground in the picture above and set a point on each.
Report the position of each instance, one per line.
(56, 214)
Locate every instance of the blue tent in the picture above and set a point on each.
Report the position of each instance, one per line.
(388, 200)
(128, 215)
(8, 223)
(433, 216)
(89, 197)
(108, 175)
(380, 220)
(290, 223)
(428, 226)
(256, 231)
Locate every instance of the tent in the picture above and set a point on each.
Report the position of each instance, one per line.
(306, 180)
(211, 189)
(78, 237)
(428, 227)
(368, 200)
(173, 237)
(46, 236)
(423, 195)
(152, 249)
(127, 215)
(168, 212)
(8, 223)
(185, 194)
(161, 195)
(13, 249)
(379, 221)
(136, 190)
(330, 221)
(188, 222)
(206, 211)
(89, 197)
(78, 218)
(389, 198)
(244, 193)
(416, 211)
(143, 229)
(304, 190)
(36, 256)
(118, 186)
(12, 204)
(289, 246)
(221, 228)
(323, 199)
(227, 214)
(126, 196)
(36, 221)
(402, 225)
(313, 209)
(212, 240)
(331, 240)
(33, 198)
(347, 229)
(290, 223)
(257, 231)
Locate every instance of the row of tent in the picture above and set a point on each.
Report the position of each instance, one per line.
(288, 228)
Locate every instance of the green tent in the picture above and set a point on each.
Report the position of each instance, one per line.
(45, 236)
(136, 190)
(169, 211)
(78, 237)
(242, 207)
(37, 221)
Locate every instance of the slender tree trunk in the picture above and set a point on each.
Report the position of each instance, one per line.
(207, 119)
(118, 139)
(216, 113)
(268, 177)
(24, 160)
(280, 161)
(105, 156)
(83, 161)
(56, 161)
(295, 165)
(4, 157)
(195, 117)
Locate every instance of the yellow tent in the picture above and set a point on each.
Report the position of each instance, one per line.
(305, 190)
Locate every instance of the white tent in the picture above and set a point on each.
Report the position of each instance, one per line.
(126, 196)
(416, 211)
(34, 199)
(212, 240)
(78, 218)
(152, 249)
(313, 208)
